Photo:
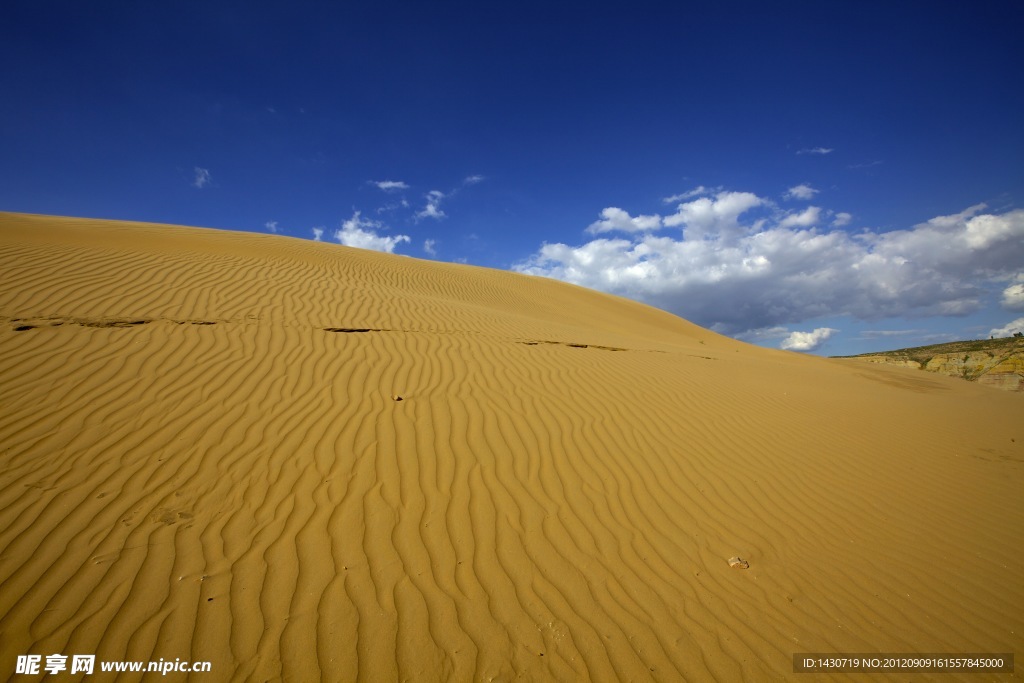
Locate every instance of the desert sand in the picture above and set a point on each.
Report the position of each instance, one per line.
(203, 456)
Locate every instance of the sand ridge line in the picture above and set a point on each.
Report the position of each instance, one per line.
(41, 322)
(573, 345)
(37, 322)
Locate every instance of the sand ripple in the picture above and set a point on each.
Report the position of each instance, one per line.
(301, 461)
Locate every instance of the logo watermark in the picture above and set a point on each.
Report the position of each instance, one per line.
(33, 665)
(903, 662)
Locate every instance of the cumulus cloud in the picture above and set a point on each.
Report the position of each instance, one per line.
(390, 185)
(1010, 329)
(429, 247)
(271, 226)
(986, 230)
(473, 180)
(805, 219)
(716, 217)
(317, 234)
(1013, 296)
(362, 234)
(698, 191)
(807, 341)
(735, 269)
(802, 191)
(763, 333)
(433, 207)
(816, 150)
(842, 218)
(613, 218)
(202, 178)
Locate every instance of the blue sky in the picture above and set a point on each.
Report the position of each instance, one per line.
(835, 177)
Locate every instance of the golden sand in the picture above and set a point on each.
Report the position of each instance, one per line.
(203, 456)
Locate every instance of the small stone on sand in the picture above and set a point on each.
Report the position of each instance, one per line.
(738, 563)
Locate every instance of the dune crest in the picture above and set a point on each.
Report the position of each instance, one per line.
(301, 461)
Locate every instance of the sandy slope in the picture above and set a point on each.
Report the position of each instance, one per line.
(192, 466)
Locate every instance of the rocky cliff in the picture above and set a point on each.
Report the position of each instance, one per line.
(997, 363)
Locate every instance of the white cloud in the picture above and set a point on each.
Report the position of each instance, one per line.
(707, 217)
(361, 233)
(698, 191)
(816, 150)
(807, 341)
(1013, 296)
(613, 218)
(802, 191)
(735, 271)
(391, 185)
(433, 207)
(1010, 329)
(473, 180)
(986, 230)
(317, 234)
(775, 332)
(805, 219)
(271, 226)
(842, 218)
(403, 203)
(429, 247)
(202, 178)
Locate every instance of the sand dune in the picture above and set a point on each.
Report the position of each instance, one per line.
(202, 456)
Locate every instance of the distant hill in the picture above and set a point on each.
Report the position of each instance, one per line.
(993, 362)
